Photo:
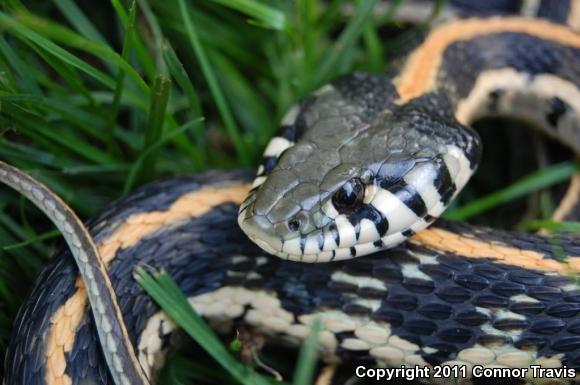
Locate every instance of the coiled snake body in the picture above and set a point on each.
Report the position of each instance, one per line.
(357, 168)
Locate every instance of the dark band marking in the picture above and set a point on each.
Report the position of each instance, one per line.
(320, 241)
(356, 226)
(371, 213)
(335, 234)
(288, 132)
(408, 195)
(302, 244)
(269, 163)
(443, 182)
(494, 97)
(558, 109)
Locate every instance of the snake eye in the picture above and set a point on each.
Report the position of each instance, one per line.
(293, 225)
(350, 196)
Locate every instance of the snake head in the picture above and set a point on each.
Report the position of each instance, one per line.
(336, 183)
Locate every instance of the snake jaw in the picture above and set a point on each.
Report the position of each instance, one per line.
(392, 210)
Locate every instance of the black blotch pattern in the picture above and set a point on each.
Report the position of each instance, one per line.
(371, 213)
(269, 163)
(494, 97)
(407, 194)
(558, 108)
(334, 232)
(443, 183)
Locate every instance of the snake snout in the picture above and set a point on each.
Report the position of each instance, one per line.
(260, 230)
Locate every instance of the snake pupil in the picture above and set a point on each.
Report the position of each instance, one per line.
(293, 225)
(349, 197)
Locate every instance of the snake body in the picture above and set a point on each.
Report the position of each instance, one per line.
(399, 146)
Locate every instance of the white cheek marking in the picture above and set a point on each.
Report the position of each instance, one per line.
(368, 231)
(329, 243)
(370, 192)
(323, 256)
(397, 213)
(258, 181)
(365, 248)
(452, 164)
(276, 146)
(422, 178)
(419, 225)
(260, 169)
(311, 246)
(346, 231)
(342, 254)
(290, 116)
(393, 239)
(292, 246)
(329, 210)
(464, 166)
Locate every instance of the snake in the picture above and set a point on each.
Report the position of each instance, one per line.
(340, 224)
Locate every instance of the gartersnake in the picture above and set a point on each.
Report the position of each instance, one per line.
(357, 167)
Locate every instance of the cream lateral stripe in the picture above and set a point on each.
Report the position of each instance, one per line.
(192, 204)
(508, 79)
(67, 318)
(446, 241)
(121, 359)
(419, 73)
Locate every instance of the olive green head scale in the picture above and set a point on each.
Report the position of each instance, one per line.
(351, 171)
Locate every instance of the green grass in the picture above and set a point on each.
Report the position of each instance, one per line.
(97, 98)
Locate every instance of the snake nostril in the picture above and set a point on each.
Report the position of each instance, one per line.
(293, 224)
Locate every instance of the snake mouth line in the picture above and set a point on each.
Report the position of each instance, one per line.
(327, 248)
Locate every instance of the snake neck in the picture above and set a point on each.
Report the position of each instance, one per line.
(514, 67)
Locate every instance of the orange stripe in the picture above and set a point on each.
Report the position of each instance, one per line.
(446, 241)
(419, 75)
(65, 321)
(189, 205)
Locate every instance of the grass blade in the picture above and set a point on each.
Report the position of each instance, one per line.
(345, 41)
(166, 293)
(304, 372)
(213, 85)
(116, 105)
(552, 226)
(263, 14)
(538, 180)
(155, 121)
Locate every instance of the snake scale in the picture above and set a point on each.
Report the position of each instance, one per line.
(355, 180)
